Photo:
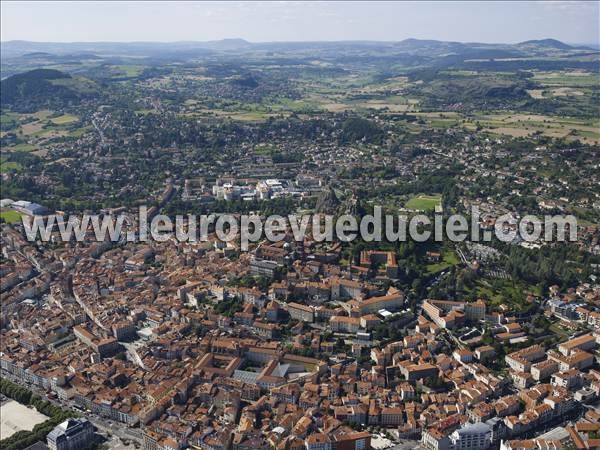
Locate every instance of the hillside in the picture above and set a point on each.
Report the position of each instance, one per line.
(44, 87)
(548, 43)
(439, 89)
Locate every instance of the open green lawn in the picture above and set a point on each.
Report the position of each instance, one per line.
(558, 330)
(298, 106)
(10, 216)
(264, 149)
(423, 202)
(449, 259)
(9, 120)
(496, 292)
(251, 116)
(130, 70)
(79, 131)
(144, 111)
(65, 118)
(567, 78)
(24, 147)
(8, 166)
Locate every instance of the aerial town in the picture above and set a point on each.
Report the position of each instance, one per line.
(289, 346)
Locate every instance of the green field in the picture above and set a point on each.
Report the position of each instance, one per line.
(449, 259)
(423, 202)
(558, 330)
(64, 119)
(21, 148)
(130, 70)
(9, 121)
(10, 216)
(519, 124)
(78, 132)
(144, 111)
(8, 166)
(264, 149)
(497, 292)
(580, 79)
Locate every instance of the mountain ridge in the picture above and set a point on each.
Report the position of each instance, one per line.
(21, 47)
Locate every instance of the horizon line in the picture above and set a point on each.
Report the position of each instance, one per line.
(294, 41)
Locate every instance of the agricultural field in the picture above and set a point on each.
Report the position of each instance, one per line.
(127, 70)
(9, 120)
(22, 147)
(9, 166)
(32, 130)
(64, 119)
(518, 124)
(570, 79)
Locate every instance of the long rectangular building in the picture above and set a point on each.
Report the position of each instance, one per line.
(392, 302)
(450, 314)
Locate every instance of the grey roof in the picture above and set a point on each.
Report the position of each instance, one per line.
(281, 370)
(479, 427)
(38, 446)
(263, 263)
(555, 434)
(246, 376)
(68, 428)
(32, 208)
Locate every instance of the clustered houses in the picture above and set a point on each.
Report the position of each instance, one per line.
(170, 340)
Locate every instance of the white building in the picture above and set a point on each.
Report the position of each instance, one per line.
(471, 436)
(72, 434)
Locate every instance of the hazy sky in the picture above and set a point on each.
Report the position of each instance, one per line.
(514, 21)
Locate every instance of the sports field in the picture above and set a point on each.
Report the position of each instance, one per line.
(423, 202)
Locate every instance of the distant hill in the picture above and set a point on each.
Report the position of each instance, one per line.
(357, 129)
(50, 57)
(12, 49)
(406, 55)
(43, 88)
(547, 43)
(228, 44)
(37, 55)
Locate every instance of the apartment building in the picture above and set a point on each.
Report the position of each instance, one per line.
(344, 324)
(300, 312)
(418, 371)
(72, 434)
(578, 360)
(585, 342)
(318, 441)
(449, 314)
(391, 302)
(522, 360)
(471, 436)
(543, 370)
